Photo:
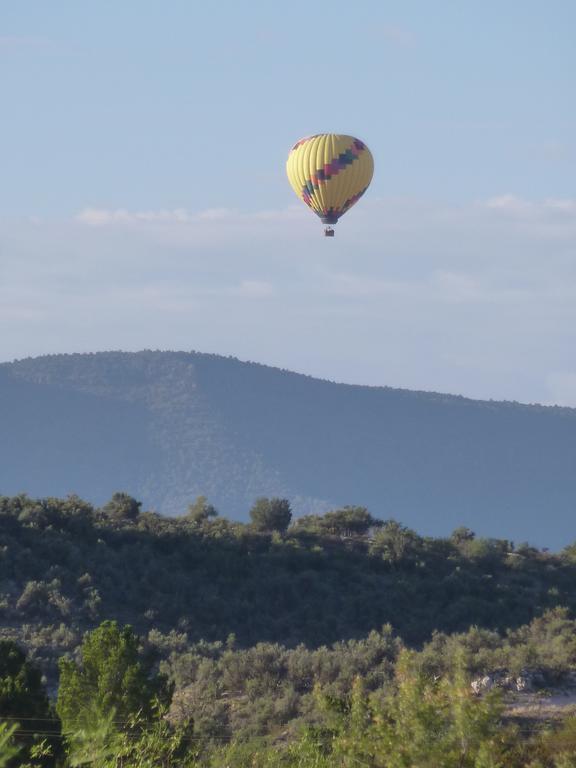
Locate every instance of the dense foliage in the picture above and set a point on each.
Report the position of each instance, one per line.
(372, 703)
(109, 677)
(65, 566)
(331, 640)
(24, 707)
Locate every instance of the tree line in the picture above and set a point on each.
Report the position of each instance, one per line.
(66, 565)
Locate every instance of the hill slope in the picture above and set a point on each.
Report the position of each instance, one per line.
(167, 426)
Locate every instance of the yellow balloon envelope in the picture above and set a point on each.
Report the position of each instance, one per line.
(330, 172)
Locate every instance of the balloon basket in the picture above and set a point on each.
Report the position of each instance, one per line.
(328, 232)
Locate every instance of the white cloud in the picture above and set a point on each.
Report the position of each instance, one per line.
(565, 206)
(440, 286)
(215, 214)
(97, 217)
(509, 203)
(517, 205)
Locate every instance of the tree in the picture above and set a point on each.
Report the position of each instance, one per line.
(21, 689)
(461, 535)
(421, 721)
(110, 677)
(348, 521)
(97, 743)
(271, 514)
(8, 749)
(122, 506)
(22, 695)
(394, 542)
(201, 511)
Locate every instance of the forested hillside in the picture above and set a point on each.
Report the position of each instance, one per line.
(167, 427)
(65, 566)
(302, 643)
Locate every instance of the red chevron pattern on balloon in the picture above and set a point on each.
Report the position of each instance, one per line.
(331, 169)
(351, 200)
(303, 141)
(338, 164)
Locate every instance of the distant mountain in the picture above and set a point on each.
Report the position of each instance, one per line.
(168, 426)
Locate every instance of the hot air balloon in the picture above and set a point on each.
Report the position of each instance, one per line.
(330, 172)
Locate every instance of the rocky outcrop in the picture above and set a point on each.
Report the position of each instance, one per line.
(526, 681)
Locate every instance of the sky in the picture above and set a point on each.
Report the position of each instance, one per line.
(144, 202)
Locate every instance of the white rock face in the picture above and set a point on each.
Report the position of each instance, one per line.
(524, 682)
(482, 684)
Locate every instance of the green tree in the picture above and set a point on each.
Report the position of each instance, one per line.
(394, 542)
(348, 521)
(271, 514)
(557, 746)
(21, 689)
(98, 742)
(110, 677)
(122, 506)
(104, 742)
(201, 511)
(8, 749)
(568, 553)
(461, 534)
(22, 695)
(422, 722)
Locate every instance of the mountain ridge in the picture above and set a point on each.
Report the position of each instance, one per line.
(167, 426)
(428, 392)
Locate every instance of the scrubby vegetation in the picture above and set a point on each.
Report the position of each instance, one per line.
(65, 566)
(372, 703)
(333, 640)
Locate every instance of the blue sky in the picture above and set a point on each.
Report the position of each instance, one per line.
(144, 201)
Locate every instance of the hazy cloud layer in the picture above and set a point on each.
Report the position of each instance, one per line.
(478, 299)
